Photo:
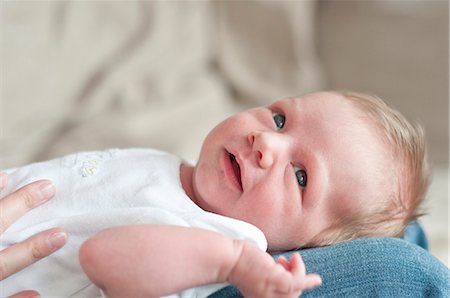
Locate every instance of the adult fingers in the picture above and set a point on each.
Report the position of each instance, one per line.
(3, 180)
(25, 294)
(21, 255)
(17, 203)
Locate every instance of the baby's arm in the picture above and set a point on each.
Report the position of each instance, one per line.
(157, 260)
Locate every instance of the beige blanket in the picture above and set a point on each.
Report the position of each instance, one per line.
(99, 74)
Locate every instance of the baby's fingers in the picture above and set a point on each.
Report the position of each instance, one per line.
(311, 281)
(281, 279)
(298, 269)
(284, 262)
(296, 264)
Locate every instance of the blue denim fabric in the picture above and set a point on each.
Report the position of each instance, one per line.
(415, 234)
(373, 267)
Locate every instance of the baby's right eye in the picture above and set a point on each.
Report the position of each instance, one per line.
(279, 120)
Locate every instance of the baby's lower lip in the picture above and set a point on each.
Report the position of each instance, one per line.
(232, 171)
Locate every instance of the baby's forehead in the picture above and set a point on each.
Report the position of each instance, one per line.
(314, 99)
(323, 107)
(329, 113)
(318, 96)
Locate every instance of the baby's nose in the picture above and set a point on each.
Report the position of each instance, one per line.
(264, 146)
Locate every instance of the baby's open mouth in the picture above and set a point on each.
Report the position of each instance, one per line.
(236, 169)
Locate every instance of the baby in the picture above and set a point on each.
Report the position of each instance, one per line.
(309, 171)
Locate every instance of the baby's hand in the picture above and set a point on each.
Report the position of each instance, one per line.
(256, 274)
(295, 274)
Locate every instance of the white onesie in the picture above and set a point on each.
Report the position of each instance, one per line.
(98, 190)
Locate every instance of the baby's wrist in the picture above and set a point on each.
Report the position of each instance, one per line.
(233, 271)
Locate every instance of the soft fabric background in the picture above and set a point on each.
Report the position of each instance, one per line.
(99, 74)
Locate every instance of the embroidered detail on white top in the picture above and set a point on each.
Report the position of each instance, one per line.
(89, 167)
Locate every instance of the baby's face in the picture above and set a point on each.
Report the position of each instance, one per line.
(291, 168)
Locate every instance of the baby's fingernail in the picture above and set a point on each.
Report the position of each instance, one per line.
(46, 191)
(57, 240)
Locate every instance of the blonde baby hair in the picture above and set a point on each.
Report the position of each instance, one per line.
(394, 210)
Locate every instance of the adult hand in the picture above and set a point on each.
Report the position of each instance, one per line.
(23, 254)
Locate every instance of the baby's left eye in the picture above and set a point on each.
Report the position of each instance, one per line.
(279, 120)
(302, 177)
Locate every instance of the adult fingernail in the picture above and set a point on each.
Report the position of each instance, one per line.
(28, 294)
(33, 294)
(46, 191)
(57, 240)
(2, 180)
